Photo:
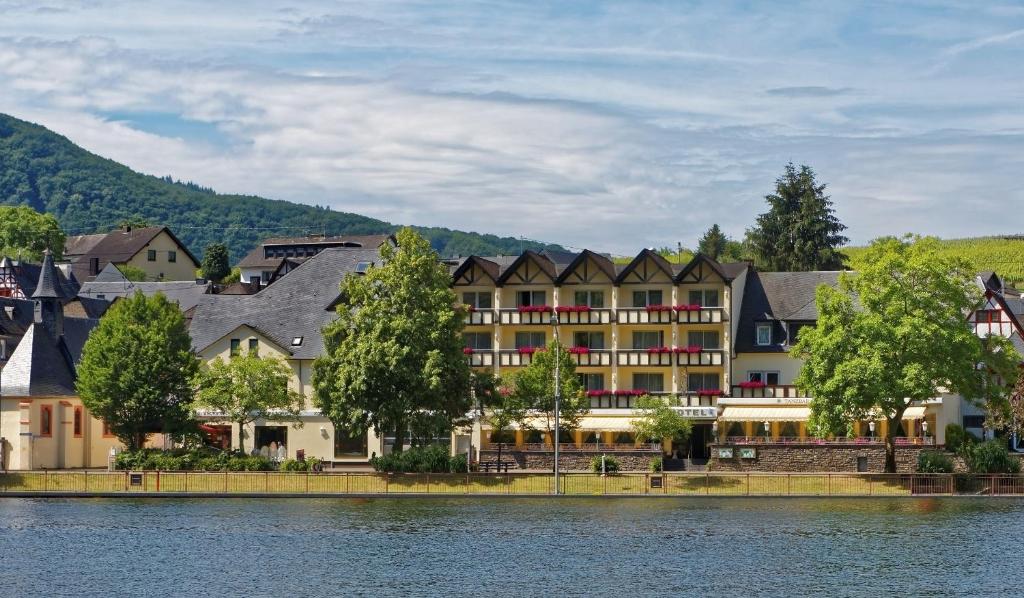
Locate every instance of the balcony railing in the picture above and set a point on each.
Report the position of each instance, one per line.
(644, 357)
(772, 391)
(593, 316)
(643, 315)
(480, 318)
(515, 317)
(705, 315)
(481, 358)
(860, 440)
(515, 357)
(592, 358)
(703, 357)
(573, 447)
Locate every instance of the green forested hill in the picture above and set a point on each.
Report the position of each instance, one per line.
(88, 194)
(1003, 255)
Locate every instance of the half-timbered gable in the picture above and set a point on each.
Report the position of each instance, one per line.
(530, 268)
(588, 268)
(646, 268)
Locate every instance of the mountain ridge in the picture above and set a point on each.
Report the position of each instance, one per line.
(88, 193)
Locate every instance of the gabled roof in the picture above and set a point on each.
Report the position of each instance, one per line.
(778, 297)
(545, 264)
(490, 268)
(118, 246)
(699, 259)
(185, 293)
(602, 261)
(296, 305)
(27, 277)
(658, 259)
(40, 366)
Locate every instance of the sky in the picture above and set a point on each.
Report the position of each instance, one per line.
(607, 125)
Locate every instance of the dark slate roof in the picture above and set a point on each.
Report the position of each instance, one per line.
(299, 304)
(109, 273)
(778, 297)
(186, 293)
(257, 257)
(734, 269)
(41, 366)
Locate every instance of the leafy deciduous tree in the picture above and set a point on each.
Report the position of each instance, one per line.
(659, 421)
(137, 367)
(247, 388)
(393, 359)
(533, 388)
(800, 231)
(26, 233)
(133, 273)
(894, 333)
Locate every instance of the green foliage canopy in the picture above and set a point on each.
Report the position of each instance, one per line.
(658, 421)
(137, 367)
(895, 333)
(26, 234)
(393, 359)
(712, 243)
(216, 266)
(533, 389)
(247, 388)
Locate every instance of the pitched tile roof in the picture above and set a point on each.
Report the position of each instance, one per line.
(42, 366)
(186, 293)
(299, 304)
(118, 246)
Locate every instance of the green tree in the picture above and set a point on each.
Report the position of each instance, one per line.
(1008, 416)
(712, 244)
(133, 273)
(393, 359)
(25, 234)
(658, 421)
(137, 367)
(499, 407)
(215, 265)
(800, 231)
(247, 388)
(896, 333)
(533, 387)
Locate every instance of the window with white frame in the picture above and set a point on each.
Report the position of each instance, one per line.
(478, 299)
(593, 299)
(768, 377)
(478, 341)
(705, 298)
(708, 339)
(647, 297)
(646, 339)
(530, 298)
(764, 334)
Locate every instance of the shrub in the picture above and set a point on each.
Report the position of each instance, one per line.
(991, 457)
(611, 464)
(458, 464)
(657, 464)
(959, 440)
(201, 459)
(419, 459)
(309, 464)
(934, 462)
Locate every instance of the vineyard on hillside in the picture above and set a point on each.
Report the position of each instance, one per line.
(1003, 255)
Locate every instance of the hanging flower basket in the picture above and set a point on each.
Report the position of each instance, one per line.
(752, 384)
(570, 309)
(531, 309)
(579, 350)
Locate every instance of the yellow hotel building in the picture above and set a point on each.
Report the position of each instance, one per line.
(647, 327)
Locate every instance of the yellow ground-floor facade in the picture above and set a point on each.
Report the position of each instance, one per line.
(52, 433)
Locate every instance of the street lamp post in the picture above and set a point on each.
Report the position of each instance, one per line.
(558, 393)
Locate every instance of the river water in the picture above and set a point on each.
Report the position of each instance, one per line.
(510, 547)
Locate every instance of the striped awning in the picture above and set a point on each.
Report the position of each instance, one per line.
(914, 412)
(765, 414)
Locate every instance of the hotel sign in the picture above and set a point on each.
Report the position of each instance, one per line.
(698, 412)
(725, 452)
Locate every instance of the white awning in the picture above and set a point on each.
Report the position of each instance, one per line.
(762, 414)
(914, 412)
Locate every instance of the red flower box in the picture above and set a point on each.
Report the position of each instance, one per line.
(752, 384)
(659, 350)
(470, 308)
(579, 350)
(530, 350)
(651, 308)
(709, 392)
(526, 309)
(562, 309)
(690, 349)
(598, 393)
(467, 351)
(630, 393)
(690, 307)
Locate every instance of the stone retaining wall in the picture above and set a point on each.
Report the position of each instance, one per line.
(814, 458)
(571, 461)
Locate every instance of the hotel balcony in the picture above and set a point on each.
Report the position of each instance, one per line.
(480, 359)
(704, 315)
(706, 357)
(480, 318)
(516, 357)
(590, 316)
(645, 357)
(591, 357)
(515, 316)
(757, 390)
(644, 315)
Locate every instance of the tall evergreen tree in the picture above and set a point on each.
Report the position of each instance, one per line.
(393, 359)
(800, 231)
(215, 262)
(712, 244)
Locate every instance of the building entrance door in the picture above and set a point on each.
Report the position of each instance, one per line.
(699, 439)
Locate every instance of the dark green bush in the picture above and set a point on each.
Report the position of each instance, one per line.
(934, 462)
(959, 440)
(420, 459)
(657, 464)
(611, 464)
(201, 459)
(991, 457)
(309, 464)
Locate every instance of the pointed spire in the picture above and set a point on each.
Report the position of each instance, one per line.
(49, 282)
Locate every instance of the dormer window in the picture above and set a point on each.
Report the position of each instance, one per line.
(764, 334)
